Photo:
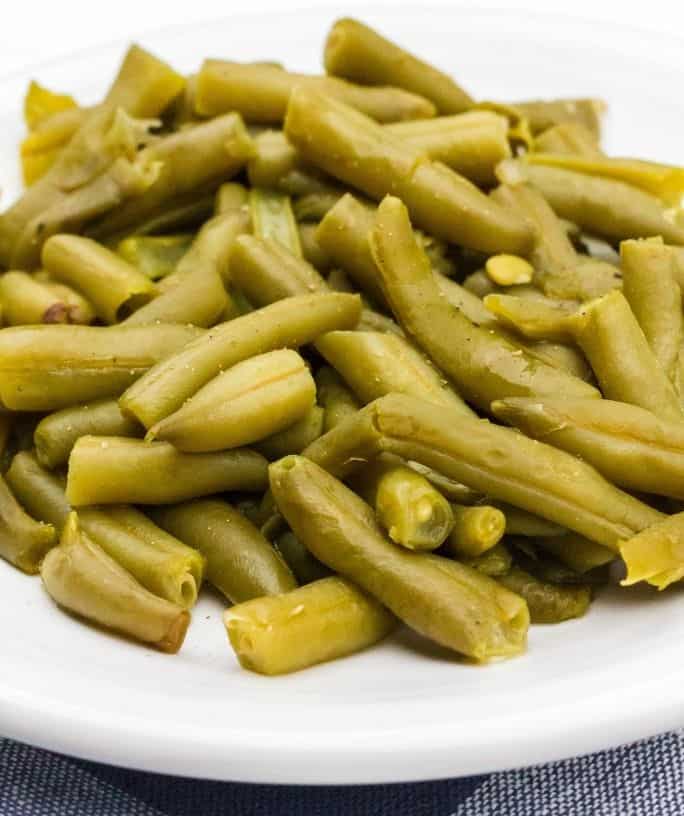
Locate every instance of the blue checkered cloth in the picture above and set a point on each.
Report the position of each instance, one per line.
(643, 779)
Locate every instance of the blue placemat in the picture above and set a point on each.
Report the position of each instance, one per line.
(643, 779)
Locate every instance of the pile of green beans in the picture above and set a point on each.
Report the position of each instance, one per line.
(342, 346)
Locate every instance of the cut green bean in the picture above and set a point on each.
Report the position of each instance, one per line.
(354, 149)
(414, 514)
(44, 368)
(113, 286)
(295, 437)
(656, 554)
(532, 318)
(57, 433)
(336, 399)
(82, 578)
(577, 552)
(38, 490)
(321, 621)
(272, 218)
(655, 298)
(155, 256)
(250, 401)
(312, 251)
(521, 523)
(568, 139)
(101, 468)
(355, 51)
(625, 366)
(261, 93)
(241, 563)
(292, 322)
(374, 364)
(548, 603)
(447, 602)
(482, 364)
(494, 562)
(231, 197)
(545, 113)
(476, 530)
(304, 566)
(23, 540)
(79, 308)
(26, 301)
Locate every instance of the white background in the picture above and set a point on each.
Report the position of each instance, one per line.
(33, 32)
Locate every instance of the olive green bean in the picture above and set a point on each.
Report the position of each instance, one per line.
(336, 399)
(577, 552)
(655, 554)
(101, 470)
(246, 403)
(312, 206)
(82, 578)
(231, 196)
(80, 310)
(321, 621)
(413, 513)
(154, 255)
(548, 603)
(354, 149)
(273, 219)
(476, 530)
(374, 364)
(545, 113)
(312, 251)
(23, 540)
(266, 271)
(295, 437)
(625, 366)
(494, 562)
(292, 322)
(38, 490)
(26, 301)
(44, 368)
(483, 365)
(144, 85)
(241, 563)
(447, 602)
(57, 433)
(655, 298)
(261, 93)
(536, 319)
(185, 212)
(189, 161)
(521, 523)
(304, 566)
(355, 51)
(113, 286)
(568, 139)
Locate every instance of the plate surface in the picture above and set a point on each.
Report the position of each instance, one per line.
(402, 711)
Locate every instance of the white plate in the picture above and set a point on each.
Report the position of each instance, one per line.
(402, 711)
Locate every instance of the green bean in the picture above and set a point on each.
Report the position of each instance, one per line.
(38, 490)
(548, 603)
(273, 219)
(655, 298)
(184, 212)
(23, 540)
(44, 368)
(355, 51)
(577, 552)
(57, 433)
(483, 365)
(476, 530)
(479, 283)
(26, 301)
(261, 93)
(266, 271)
(543, 114)
(312, 251)
(414, 514)
(358, 151)
(292, 322)
(603, 206)
(661, 180)
(249, 507)
(154, 255)
(101, 468)
(113, 286)
(182, 110)
(79, 308)
(304, 566)
(631, 446)
(144, 85)
(321, 621)
(521, 523)
(447, 602)
(161, 563)
(494, 562)
(450, 489)
(625, 366)
(295, 437)
(246, 403)
(241, 564)
(532, 318)
(374, 364)
(188, 161)
(655, 554)
(544, 567)
(82, 578)
(568, 139)
(336, 399)
(503, 464)
(230, 197)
